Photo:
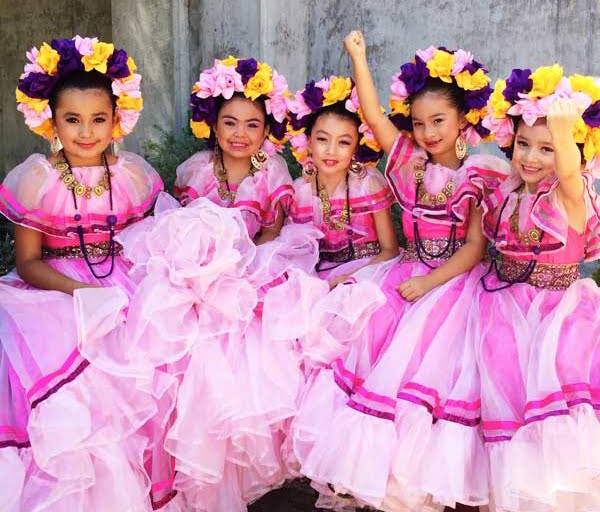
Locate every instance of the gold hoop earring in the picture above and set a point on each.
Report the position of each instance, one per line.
(460, 147)
(357, 168)
(258, 160)
(55, 145)
(115, 147)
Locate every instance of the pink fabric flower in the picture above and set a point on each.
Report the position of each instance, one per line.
(269, 148)
(33, 118)
(366, 131)
(352, 104)
(503, 129)
(33, 67)
(128, 119)
(277, 106)
(398, 88)
(323, 84)
(529, 109)
(461, 59)
(129, 87)
(85, 45)
(427, 54)
(472, 138)
(298, 106)
(300, 142)
(220, 81)
(436, 177)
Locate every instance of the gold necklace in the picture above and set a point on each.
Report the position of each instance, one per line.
(72, 183)
(220, 171)
(425, 197)
(533, 236)
(344, 218)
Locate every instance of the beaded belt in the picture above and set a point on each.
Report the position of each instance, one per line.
(551, 276)
(431, 246)
(94, 250)
(360, 251)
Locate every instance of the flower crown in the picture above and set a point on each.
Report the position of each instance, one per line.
(530, 95)
(62, 56)
(458, 67)
(254, 79)
(324, 93)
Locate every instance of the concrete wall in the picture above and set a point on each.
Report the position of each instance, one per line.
(173, 40)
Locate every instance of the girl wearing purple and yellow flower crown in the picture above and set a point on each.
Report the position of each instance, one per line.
(535, 324)
(394, 423)
(67, 429)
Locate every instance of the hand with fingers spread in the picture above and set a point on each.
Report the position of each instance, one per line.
(415, 287)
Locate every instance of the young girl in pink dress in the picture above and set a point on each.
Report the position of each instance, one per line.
(395, 424)
(348, 200)
(535, 324)
(202, 272)
(68, 437)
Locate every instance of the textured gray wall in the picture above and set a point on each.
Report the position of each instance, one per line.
(172, 40)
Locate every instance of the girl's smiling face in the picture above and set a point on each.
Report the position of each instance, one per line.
(533, 153)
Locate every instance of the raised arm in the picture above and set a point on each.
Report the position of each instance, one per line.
(384, 130)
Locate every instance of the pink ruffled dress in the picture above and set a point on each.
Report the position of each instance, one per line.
(394, 423)
(537, 347)
(325, 323)
(69, 433)
(194, 316)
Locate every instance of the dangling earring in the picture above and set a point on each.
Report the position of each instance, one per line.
(114, 148)
(460, 147)
(357, 168)
(216, 152)
(258, 160)
(55, 145)
(308, 169)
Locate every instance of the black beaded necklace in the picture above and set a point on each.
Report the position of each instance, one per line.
(111, 220)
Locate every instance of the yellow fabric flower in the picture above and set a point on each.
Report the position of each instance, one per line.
(48, 59)
(580, 131)
(497, 100)
(200, 129)
(440, 65)
(370, 144)
(117, 132)
(46, 129)
(258, 85)
(545, 80)
(474, 115)
(263, 66)
(36, 104)
(587, 85)
(339, 89)
(400, 107)
(292, 132)
(472, 82)
(230, 61)
(98, 59)
(130, 103)
(591, 147)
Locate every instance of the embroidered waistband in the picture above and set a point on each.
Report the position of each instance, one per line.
(364, 250)
(94, 250)
(551, 276)
(430, 247)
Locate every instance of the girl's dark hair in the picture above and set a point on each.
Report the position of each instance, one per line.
(337, 109)
(83, 80)
(454, 94)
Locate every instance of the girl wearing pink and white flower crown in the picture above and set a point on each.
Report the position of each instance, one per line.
(395, 422)
(69, 431)
(536, 325)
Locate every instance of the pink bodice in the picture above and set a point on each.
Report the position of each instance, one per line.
(256, 196)
(367, 195)
(34, 196)
(541, 212)
(448, 192)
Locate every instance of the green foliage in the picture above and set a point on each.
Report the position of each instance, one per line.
(7, 248)
(171, 150)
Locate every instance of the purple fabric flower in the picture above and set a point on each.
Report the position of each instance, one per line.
(473, 66)
(297, 124)
(38, 85)
(366, 154)
(204, 109)
(70, 58)
(117, 65)
(247, 69)
(414, 75)
(477, 99)
(517, 82)
(313, 96)
(401, 122)
(277, 129)
(591, 116)
(481, 130)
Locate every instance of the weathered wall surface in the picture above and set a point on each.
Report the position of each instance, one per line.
(27, 23)
(172, 40)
